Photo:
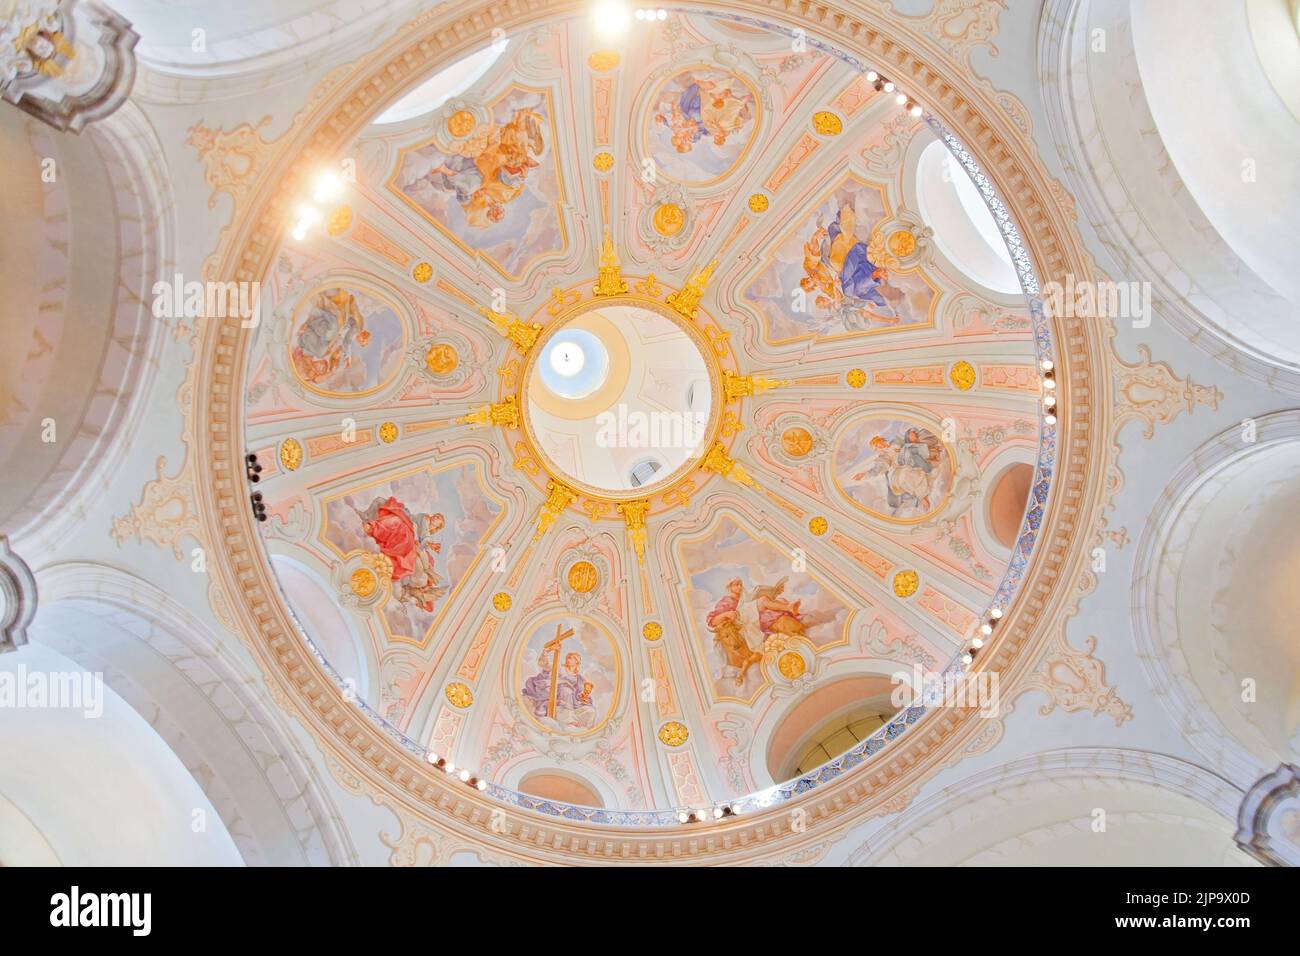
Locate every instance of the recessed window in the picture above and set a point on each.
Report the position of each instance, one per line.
(1006, 502)
(560, 787)
(643, 472)
(964, 229)
(436, 90)
(827, 723)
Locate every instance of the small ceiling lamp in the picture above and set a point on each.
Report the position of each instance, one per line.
(610, 18)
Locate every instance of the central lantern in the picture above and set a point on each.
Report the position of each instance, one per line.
(618, 397)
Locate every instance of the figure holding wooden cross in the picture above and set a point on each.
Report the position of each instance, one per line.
(561, 694)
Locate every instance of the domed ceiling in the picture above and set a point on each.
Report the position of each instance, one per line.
(623, 398)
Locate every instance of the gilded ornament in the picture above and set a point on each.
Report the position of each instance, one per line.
(856, 378)
(962, 375)
(561, 300)
(388, 433)
(736, 387)
(720, 339)
(669, 219)
(758, 203)
(339, 220)
(650, 286)
(363, 582)
(906, 583)
(602, 61)
(797, 441)
(791, 665)
(603, 162)
(652, 631)
(674, 733)
(558, 497)
(459, 695)
(583, 577)
(461, 123)
(818, 526)
(634, 513)
(39, 44)
(441, 358)
(827, 123)
(609, 277)
(290, 454)
(422, 272)
(522, 334)
(688, 299)
(718, 461)
(505, 414)
(902, 243)
(501, 601)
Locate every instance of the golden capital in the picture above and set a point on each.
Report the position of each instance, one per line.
(558, 497)
(718, 461)
(505, 414)
(688, 299)
(609, 278)
(736, 387)
(522, 334)
(634, 513)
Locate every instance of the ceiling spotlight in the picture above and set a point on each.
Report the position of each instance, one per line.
(900, 99)
(977, 642)
(1049, 400)
(683, 817)
(663, 14)
(1048, 365)
(717, 813)
(327, 187)
(308, 216)
(916, 109)
(432, 757)
(464, 776)
(966, 658)
(986, 628)
(995, 612)
(449, 767)
(1050, 419)
(889, 86)
(640, 14)
(1049, 383)
(482, 784)
(610, 18)
(872, 76)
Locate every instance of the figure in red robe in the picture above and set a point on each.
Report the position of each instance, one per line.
(408, 542)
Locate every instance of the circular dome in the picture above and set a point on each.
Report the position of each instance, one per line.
(647, 630)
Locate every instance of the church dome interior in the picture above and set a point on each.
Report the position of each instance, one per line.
(577, 432)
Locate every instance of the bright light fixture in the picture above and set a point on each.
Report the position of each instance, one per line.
(610, 18)
(327, 187)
